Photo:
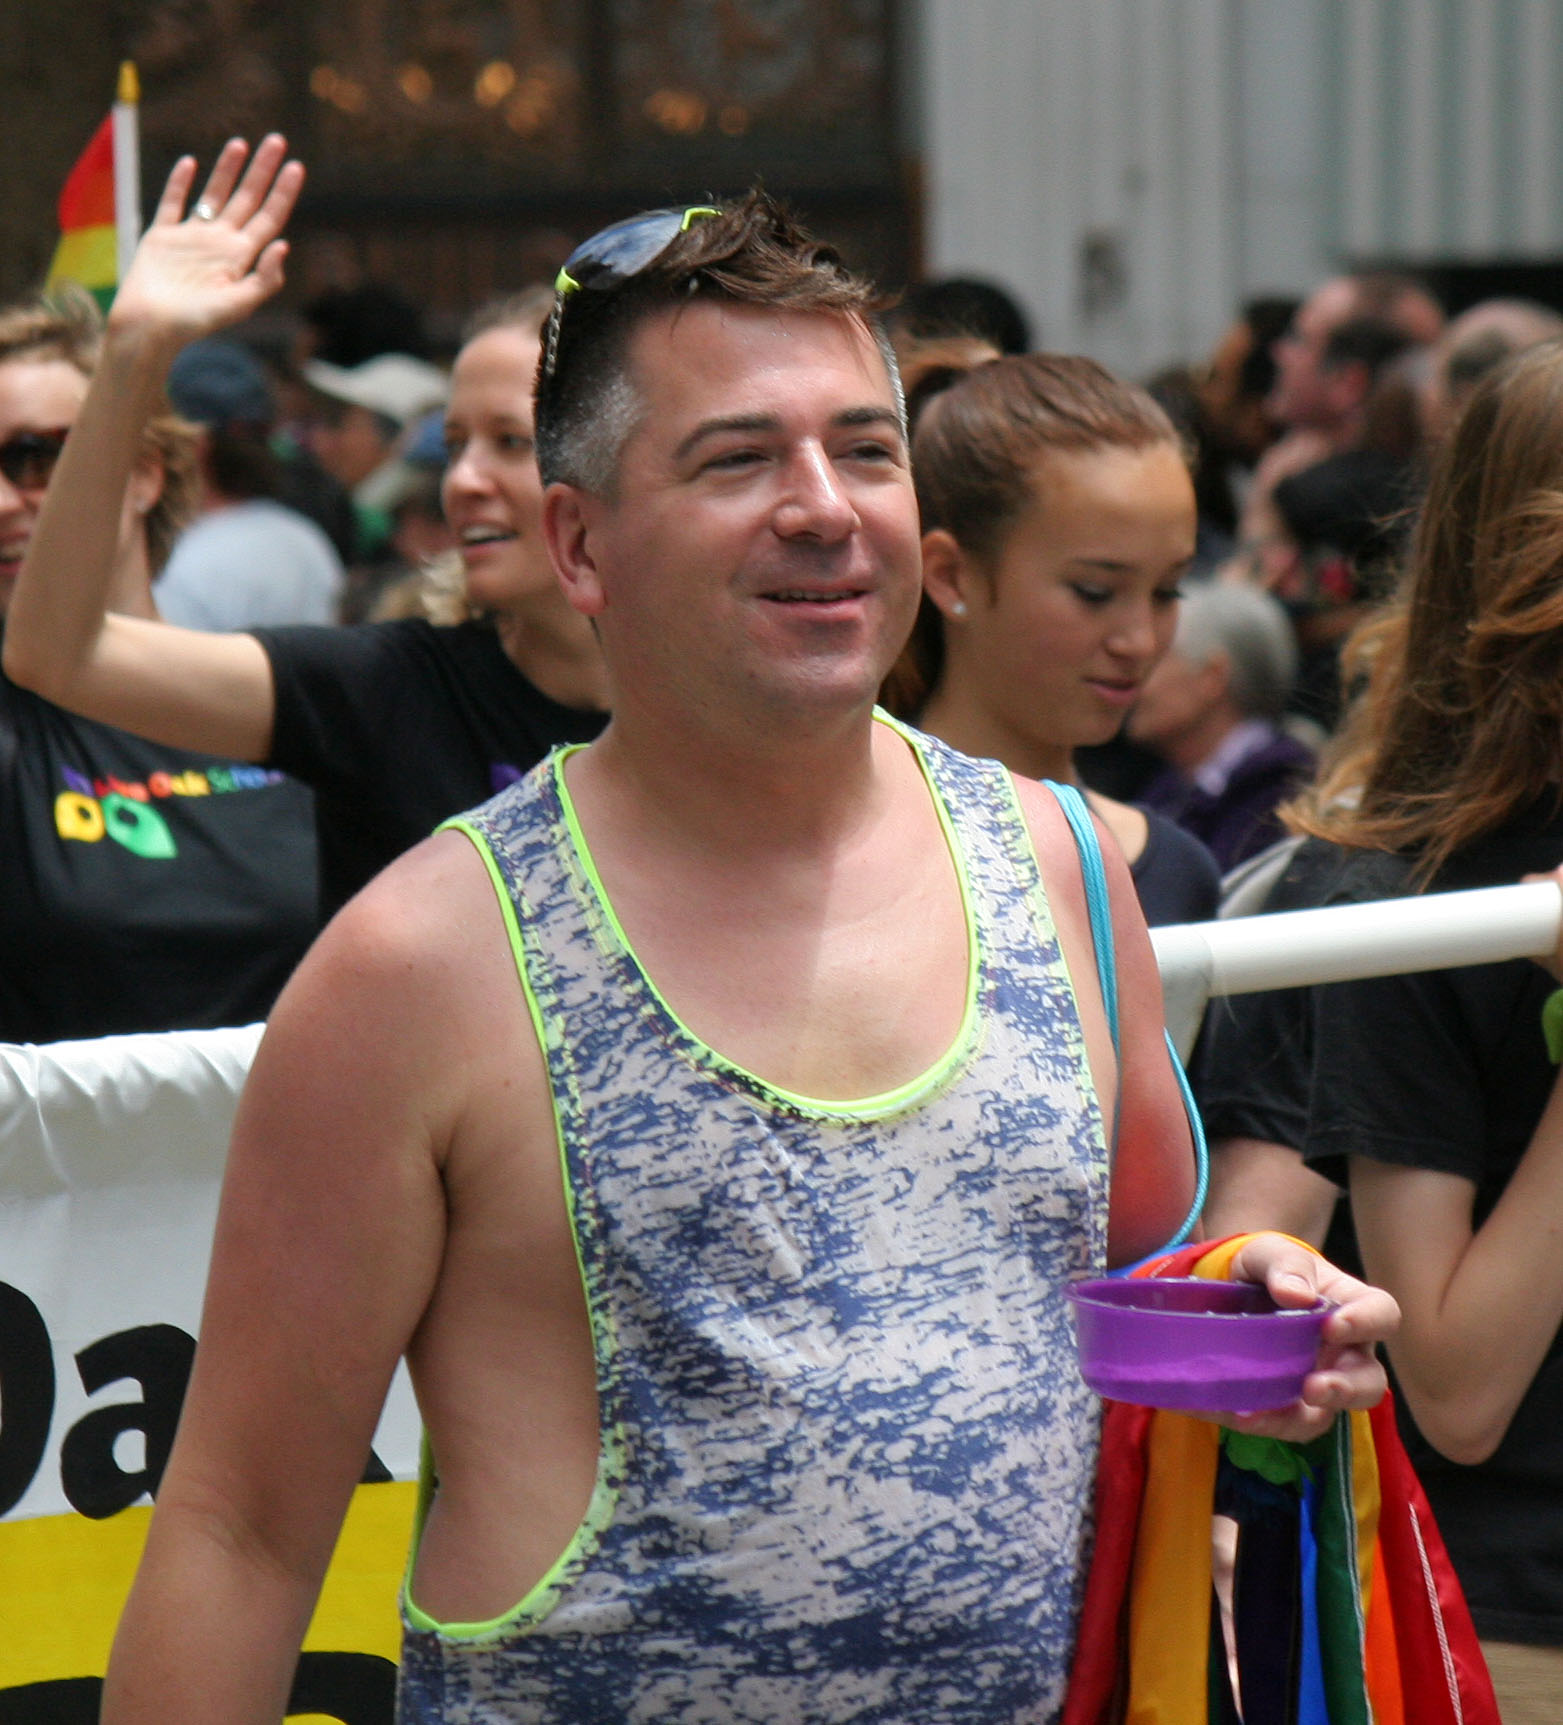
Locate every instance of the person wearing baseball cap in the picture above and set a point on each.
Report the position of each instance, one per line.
(248, 560)
(364, 412)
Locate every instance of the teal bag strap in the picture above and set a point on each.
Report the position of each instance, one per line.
(1099, 906)
(1097, 901)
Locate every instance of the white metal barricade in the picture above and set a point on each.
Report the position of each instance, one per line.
(1293, 948)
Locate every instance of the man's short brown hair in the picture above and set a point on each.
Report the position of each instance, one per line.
(751, 252)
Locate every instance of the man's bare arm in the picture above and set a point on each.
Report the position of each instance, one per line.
(1153, 1172)
(328, 1251)
(1153, 1178)
(192, 690)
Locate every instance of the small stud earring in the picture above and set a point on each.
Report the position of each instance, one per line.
(958, 609)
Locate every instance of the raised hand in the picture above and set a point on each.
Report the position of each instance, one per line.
(198, 272)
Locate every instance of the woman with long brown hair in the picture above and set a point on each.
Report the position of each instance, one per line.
(1434, 1095)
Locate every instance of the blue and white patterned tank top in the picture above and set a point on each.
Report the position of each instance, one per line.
(846, 1457)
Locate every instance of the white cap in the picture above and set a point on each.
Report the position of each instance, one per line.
(392, 384)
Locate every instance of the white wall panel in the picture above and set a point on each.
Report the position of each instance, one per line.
(1476, 60)
(1283, 185)
(1080, 153)
(1418, 161)
(1207, 179)
(1458, 160)
(1536, 177)
(1217, 148)
(1363, 86)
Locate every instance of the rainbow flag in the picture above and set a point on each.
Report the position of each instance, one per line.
(100, 205)
(1356, 1618)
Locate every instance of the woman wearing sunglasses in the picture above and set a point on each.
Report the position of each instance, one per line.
(394, 725)
(1058, 519)
(142, 887)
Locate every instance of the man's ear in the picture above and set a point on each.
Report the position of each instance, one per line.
(949, 579)
(569, 517)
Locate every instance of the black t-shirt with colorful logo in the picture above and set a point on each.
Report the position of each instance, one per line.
(142, 887)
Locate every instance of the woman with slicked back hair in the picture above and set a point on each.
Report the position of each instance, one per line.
(1058, 520)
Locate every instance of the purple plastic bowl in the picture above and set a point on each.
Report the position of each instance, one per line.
(1189, 1343)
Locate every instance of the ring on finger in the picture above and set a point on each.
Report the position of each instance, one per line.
(204, 212)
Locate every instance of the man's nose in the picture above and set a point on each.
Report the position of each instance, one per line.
(815, 503)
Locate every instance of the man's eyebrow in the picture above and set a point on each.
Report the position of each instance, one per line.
(726, 422)
(729, 422)
(869, 416)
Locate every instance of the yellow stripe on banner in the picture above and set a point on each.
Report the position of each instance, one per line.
(1367, 1500)
(89, 257)
(1216, 1265)
(63, 1582)
(358, 1606)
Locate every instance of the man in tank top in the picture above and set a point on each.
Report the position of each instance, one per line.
(713, 1119)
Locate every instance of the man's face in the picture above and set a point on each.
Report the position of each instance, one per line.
(1302, 396)
(760, 557)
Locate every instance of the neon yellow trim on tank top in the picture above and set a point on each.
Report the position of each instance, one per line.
(875, 1107)
(541, 1597)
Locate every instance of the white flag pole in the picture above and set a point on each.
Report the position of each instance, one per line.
(127, 166)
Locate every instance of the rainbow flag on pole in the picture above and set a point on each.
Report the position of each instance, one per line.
(100, 205)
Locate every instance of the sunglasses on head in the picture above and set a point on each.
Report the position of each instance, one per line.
(612, 257)
(27, 459)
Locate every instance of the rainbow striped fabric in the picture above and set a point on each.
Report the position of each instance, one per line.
(88, 252)
(1360, 1619)
(96, 226)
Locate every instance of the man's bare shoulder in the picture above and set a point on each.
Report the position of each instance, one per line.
(1152, 1166)
(402, 1001)
(1058, 861)
(416, 925)
(426, 910)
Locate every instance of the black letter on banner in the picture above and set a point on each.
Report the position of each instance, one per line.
(65, 1701)
(357, 1688)
(158, 1357)
(26, 1394)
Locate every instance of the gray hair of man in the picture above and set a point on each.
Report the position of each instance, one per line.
(1254, 634)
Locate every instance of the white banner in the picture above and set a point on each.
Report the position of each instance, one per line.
(111, 1158)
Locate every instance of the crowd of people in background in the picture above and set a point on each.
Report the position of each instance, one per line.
(291, 612)
(323, 494)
